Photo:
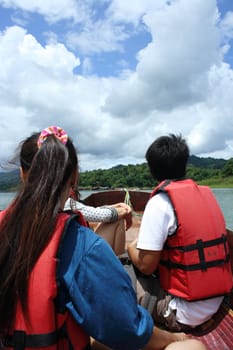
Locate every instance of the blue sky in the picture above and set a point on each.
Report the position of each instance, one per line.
(117, 74)
(106, 60)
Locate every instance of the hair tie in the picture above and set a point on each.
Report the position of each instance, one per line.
(58, 132)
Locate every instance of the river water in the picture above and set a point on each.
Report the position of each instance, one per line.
(224, 197)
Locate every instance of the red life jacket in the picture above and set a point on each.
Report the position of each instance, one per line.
(49, 329)
(195, 262)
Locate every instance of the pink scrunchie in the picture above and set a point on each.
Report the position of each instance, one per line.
(58, 132)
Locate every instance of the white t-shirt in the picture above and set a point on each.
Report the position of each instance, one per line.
(158, 222)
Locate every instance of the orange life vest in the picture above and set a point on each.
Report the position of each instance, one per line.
(49, 329)
(195, 262)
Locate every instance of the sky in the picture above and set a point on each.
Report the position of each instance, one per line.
(117, 74)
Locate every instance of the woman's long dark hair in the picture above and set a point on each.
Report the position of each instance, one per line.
(29, 222)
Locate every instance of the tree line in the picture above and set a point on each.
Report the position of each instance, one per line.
(209, 171)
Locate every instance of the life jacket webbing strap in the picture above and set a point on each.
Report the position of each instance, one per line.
(20, 340)
(207, 244)
(200, 245)
(200, 266)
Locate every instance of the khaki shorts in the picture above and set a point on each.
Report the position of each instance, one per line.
(153, 298)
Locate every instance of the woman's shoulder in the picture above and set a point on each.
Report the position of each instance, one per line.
(78, 232)
(82, 240)
(80, 245)
(76, 243)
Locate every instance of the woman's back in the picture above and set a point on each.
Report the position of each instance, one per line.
(56, 272)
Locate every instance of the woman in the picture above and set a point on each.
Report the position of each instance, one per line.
(60, 283)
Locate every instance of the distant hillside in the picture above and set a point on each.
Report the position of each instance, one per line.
(126, 175)
(9, 180)
(209, 162)
(138, 175)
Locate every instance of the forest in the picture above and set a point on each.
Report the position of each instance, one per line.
(208, 171)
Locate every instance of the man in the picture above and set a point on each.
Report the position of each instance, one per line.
(182, 249)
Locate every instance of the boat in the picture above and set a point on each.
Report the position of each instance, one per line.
(216, 333)
(115, 233)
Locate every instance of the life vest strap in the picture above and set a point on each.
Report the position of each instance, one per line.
(200, 266)
(20, 340)
(204, 244)
(200, 245)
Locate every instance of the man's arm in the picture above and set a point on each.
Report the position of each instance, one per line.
(146, 261)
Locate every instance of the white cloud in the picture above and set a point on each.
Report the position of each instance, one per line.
(100, 36)
(173, 69)
(227, 25)
(124, 11)
(52, 10)
(181, 83)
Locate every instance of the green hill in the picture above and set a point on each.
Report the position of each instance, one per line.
(9, 180)
(209, 162)
(203, 170)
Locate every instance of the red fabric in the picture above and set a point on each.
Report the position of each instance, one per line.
(220, 335)
(199, 219)
(42, 292)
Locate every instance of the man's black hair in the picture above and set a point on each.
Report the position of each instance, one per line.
(167, 157)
